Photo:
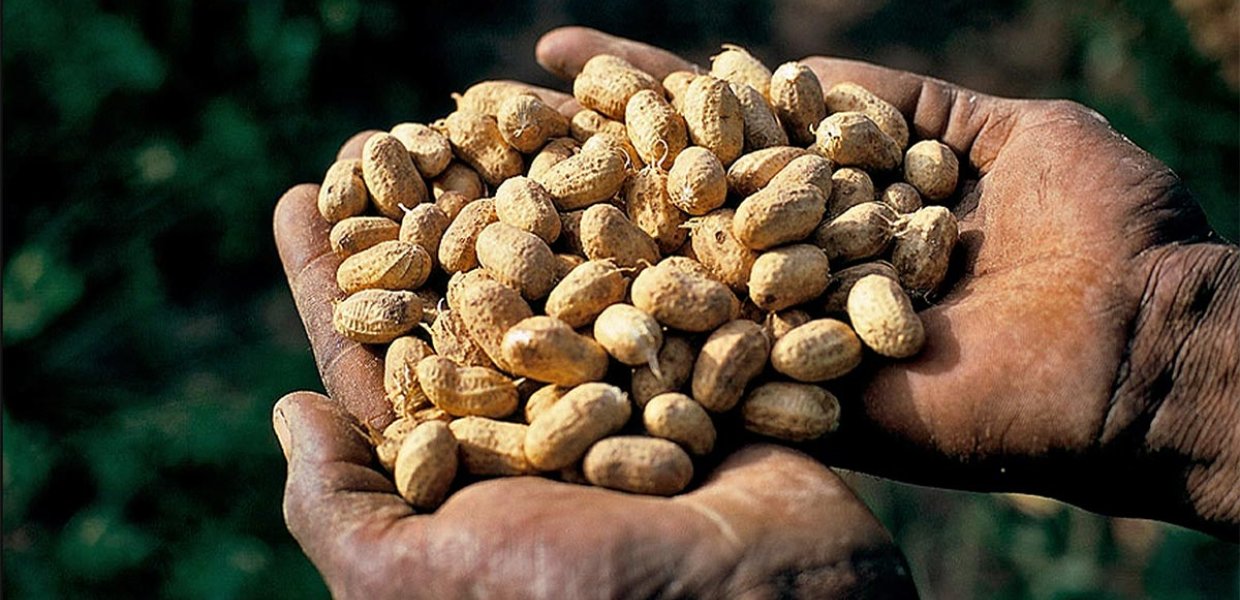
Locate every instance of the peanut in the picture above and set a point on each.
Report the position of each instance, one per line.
(862, 232)
(587, 178)
(923, 249)
(390, 176)
(848, 96)
(376, 316)
(561, 434)
(542, 399)
(354, 234)
(778, 215)
(524, 204)
(429, 149)
(737, 65)
(655, 129)
(788, 276)
(424, 226)
(426, 465)
(641, 465)
(458, 245)
(488, 309)
(732, 356)
(476, 139)
(819, 350)
(451, 340)
(392, 265)
(587, 124)
(778, 324)
(696, 182)
(811, 169)
(526, 122)
(588, 289)
(490, 447)
(851, 139)
(796, 95)
(932, 168)
(606, 83)
(343, 193)
(714, 118)
(849, 187)
(883, 317)
(675, 85)
(651, 209)
(753, 171)
(762, 128)
(607, 234)
(796, 412)
(679, 418)
(547, 349)
(675, 361)
(550, 155)
(517, 258)
(400, 376)
(459, 178)
(485, 97)
(835, 299)
(389, 442)
(630, 335)
(683, 300)
(902, 197)
(466, 391)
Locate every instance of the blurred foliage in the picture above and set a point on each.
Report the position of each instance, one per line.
(147, 330)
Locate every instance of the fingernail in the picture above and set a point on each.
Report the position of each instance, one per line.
(280, 424)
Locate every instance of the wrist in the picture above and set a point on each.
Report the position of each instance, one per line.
(1176, 402)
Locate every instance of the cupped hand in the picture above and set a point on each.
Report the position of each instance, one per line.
(766, 522)
(1085, 346)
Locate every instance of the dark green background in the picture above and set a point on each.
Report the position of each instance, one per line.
(147, 329)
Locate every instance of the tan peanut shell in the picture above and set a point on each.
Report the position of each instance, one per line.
(354, 234)
(429, 149)
(424, 226)
(819, 350)
(737, 65)
(476, 140)
(796, 95)
(762, 128)
(400, 375)
(561, 435)
(629, 334)
(606, 83)
(426, 465)
(490, 447)
(451, 340)
(376, 316)
(465, 391)
(460, 178)
(901, 196)
(811, 169)
(923, 249)
(431, 302)
(730, 358)
(796, 412)
(849, 187)
(584, 179)
(392, 265)
(655, 129)
(714, 118)
(551, 154)
(526, 122)
(851, 139)
(751, 172)
(390, 176)
(778, 324)
(488, 308)
(681, 419)
(684, 300)
(651, 209)
(458, 246)
(835, 299)
(343, 193)
(697, 183)
(451, 203)
(638, 464)
(607, 234)
(517, 258)
(547, 349)
(788, 276)
(588, 289)
(862, 232)
(389, 442)
(485, 97)
(565, 263)
(883, 317)
(848, 96)
(778, 215)
(675, 367)
(932, 168)
(587, 124)
(675, 85)
(542, 399)
(717, 248)
(524, 204)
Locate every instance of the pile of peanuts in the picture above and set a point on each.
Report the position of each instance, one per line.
(673, 251)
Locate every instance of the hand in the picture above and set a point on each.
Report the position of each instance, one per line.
(1087, 349)
(768, 521)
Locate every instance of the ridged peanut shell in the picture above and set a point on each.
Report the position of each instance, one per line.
(584, 179)
(923, 249)
(476, 140)
(684, 300)
(796, 95)
(517, 258)
(883, 317)
(788, 276)
(526, 122)
(354, 234)
(737, 65)
(717, 248)
(862, 232)
(376, 316)
(676, 359)
(651, 209)
(762, 127)
(638, 464)
(751, 172)
(490, 447)
(429, 149)
(426, 465)
(400, 375)
(655, 129)
(681, 419)
(524, 204)
(343, 193)
(819, 350)
(851, 139)
(714, 118)
(848, 96)
(606, 83)
(697, 183)
(778, 215)
(547, 349)
(795, 412)
(606, 233)
(932, 168)
(458, 246)
(467, 391)
(390, 176)
(561, 435)
(588, 289)
(629, 334)
(730, 358)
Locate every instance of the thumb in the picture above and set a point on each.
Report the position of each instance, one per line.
(335, 502)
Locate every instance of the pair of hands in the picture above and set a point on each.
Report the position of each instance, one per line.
(1083, 353)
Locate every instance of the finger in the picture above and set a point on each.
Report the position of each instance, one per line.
(974, 125)
(352, 373)
(799, 517)
(335, 502)
(565, 50)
